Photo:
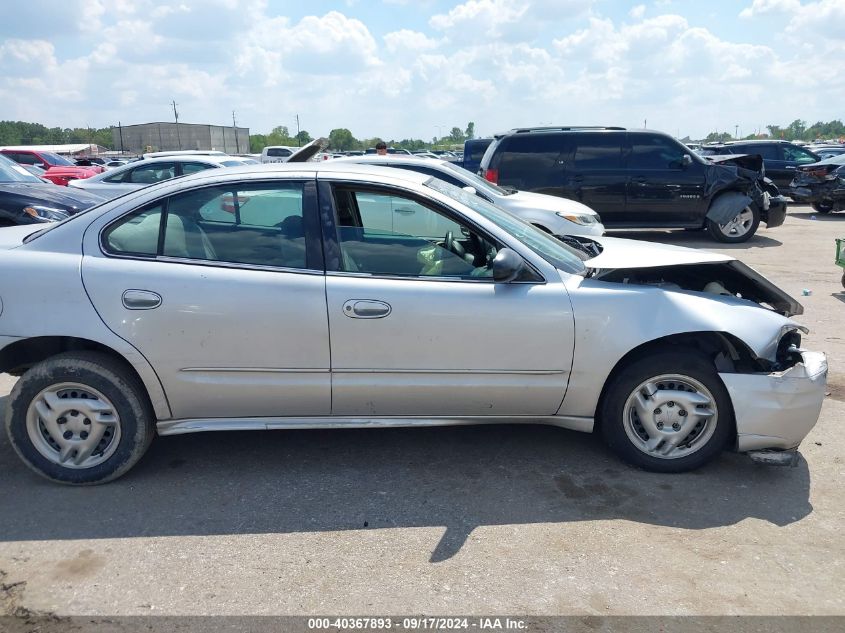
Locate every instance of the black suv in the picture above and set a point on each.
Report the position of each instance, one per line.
(638, 179)
(780, 158)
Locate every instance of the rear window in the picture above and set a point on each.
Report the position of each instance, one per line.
(531, 161)
(277, 151)
(474, 150)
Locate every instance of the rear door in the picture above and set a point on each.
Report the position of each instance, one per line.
(595, 173)
(662, 191)
(222, 289)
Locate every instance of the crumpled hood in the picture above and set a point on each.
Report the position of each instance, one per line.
(543, 202)
(622, 253)
(632, 261)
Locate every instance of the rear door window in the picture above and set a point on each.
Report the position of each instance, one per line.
(597, 151)
(152, 173)
(532, 161)
(769, 151)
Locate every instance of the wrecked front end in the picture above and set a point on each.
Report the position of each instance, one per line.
(776, 387)
(742, 178)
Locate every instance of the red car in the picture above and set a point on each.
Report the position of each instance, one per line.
(58, 168)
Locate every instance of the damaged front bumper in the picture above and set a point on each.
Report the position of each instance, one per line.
(776, 213)
(777, 410)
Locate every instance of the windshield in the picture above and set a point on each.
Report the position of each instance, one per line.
(55, 159)
(556, 253)
(10, 171)
(478, 182)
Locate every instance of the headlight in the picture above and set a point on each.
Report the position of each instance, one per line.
(577, 218)
(45, 214)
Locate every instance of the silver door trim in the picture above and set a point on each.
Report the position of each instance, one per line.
(197, 425)
(258, 370)
(503, 372)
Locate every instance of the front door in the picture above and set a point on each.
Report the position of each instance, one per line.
(222, 289)
(419, 327)
(662, 190)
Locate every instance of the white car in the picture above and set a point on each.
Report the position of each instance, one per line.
(274, 297)
(558, 216)
(120, 180)
(277, 153)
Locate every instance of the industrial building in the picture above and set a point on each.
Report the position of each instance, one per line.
(162, 137)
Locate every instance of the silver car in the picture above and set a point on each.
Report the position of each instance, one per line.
(143, 173)
(282, 297)
(558, 216)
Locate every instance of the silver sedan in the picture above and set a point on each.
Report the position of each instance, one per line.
(338, 295)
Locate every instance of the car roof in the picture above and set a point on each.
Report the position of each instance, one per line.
(395, 158)
(337, 166)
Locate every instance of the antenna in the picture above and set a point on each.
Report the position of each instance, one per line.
(176, 116)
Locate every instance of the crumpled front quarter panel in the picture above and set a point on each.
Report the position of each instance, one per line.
(611, 319)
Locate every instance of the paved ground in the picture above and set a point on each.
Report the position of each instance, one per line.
(463, 520)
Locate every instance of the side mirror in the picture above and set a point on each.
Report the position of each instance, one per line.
(507, 265)
(686, 161)
(470, 190)
(39, 165)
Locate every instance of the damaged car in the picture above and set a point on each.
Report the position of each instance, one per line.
(638, 179)
(275, 297)
(821, 185)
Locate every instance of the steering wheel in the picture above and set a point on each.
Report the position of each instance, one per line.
(454, 246)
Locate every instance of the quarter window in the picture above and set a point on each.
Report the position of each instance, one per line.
(193, 168)
(531, 161)
(382, 233)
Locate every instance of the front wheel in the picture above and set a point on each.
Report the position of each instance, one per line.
(825, 206)
(667, 412)
(79, 418)
(738, 229)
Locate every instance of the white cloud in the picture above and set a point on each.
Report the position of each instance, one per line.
(637, 12)
(409, 41)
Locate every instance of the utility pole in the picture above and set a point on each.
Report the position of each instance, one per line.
(176, 116)
(736, 131)
(235, 128)
(298, 142)
(120, 128)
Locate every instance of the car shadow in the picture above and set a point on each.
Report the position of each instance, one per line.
(459, 478)
(693, 239)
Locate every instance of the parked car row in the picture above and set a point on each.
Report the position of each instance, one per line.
(393, 298)
(58, 169)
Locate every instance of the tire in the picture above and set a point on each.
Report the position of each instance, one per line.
(735, 232)
(700, 437)
(61, 406)
(825, 206)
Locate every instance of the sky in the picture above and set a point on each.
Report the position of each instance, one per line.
(416, 68)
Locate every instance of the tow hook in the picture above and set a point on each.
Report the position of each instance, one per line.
(775, 458)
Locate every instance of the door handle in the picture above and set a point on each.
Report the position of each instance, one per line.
(141, 300)
(790, 167)
(366, 309)
(404, 211)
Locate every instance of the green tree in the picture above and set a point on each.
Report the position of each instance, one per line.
(303, 138)
(341, 139)
(456, 135)
(470, 131)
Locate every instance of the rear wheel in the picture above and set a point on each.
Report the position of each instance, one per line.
(667, 412)
(825, 206)
(79, 418)
(738, 229)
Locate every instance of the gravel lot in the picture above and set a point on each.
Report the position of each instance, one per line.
(510, 520)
